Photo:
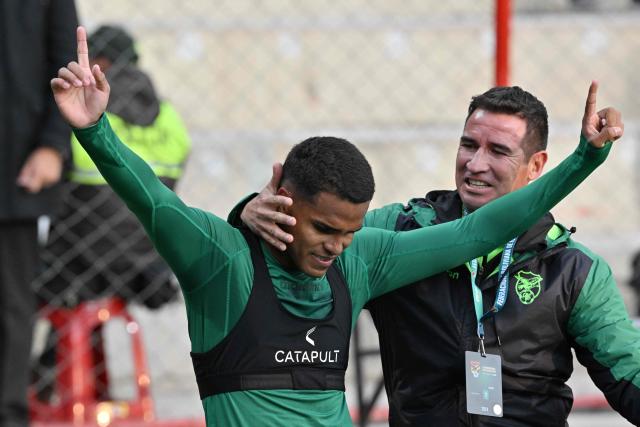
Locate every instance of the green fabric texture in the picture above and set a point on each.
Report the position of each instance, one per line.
(212, 262)
(386, 216)
(599, 322)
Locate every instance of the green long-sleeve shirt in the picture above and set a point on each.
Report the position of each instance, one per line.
(212, 262)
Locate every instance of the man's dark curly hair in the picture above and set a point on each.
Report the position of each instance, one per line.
(514, 100)
(328, 164)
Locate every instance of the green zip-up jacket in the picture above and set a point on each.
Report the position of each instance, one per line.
(212, 262)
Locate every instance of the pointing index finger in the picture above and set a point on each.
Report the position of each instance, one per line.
(590, 106)
(83, 48)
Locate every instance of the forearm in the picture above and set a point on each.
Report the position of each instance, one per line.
(129, 176)
(167, 220)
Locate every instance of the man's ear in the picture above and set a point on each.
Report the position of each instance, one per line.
(283, 191)
(536, 164)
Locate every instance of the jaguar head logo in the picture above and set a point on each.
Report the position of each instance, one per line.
(528, 286)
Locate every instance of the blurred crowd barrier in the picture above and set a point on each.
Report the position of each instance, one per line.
(250, 78)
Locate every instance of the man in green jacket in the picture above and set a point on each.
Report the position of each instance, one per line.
(270, 330)
(561, 296)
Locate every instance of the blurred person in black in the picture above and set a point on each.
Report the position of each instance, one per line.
(36, 39)
(86, 261)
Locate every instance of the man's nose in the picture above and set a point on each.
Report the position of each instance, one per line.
(479, 161)
(336, 245)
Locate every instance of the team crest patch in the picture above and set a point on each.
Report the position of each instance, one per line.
(527, 286)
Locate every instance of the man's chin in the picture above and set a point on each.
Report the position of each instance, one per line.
(475, 201)
(312, 269)
(316, 272)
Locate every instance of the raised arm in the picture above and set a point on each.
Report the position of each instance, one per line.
(410, 256)
(405, 257)
(261, 212)
(179, 232)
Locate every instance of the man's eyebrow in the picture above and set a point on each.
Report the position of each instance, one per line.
(324, 227)
(503, 147)
(356, 230)
(328, 229)
(467, 139)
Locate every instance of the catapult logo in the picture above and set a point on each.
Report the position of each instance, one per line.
(301, 356)
(309, 332)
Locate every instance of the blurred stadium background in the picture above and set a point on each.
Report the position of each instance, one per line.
(253, 77)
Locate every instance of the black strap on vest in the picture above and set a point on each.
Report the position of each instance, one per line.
(291, 379)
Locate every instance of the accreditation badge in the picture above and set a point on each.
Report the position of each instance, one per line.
(484, 383)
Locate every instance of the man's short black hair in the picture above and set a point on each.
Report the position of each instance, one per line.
(514, 100)
(329, 164)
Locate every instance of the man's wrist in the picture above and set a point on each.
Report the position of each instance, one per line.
(89, 126)
(234, 216)
(585, 141)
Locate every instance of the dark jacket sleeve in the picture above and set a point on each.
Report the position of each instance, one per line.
(606, 342)
(60, 50)
(234, 215)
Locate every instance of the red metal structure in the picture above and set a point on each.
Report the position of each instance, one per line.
(82, 377)
(503, 42)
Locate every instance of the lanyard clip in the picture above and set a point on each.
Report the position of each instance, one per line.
(481, 347)
(481, 337)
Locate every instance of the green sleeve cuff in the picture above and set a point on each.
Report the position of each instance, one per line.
(89, 131)
(234, 215)
(100, 142)
(590, 151)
